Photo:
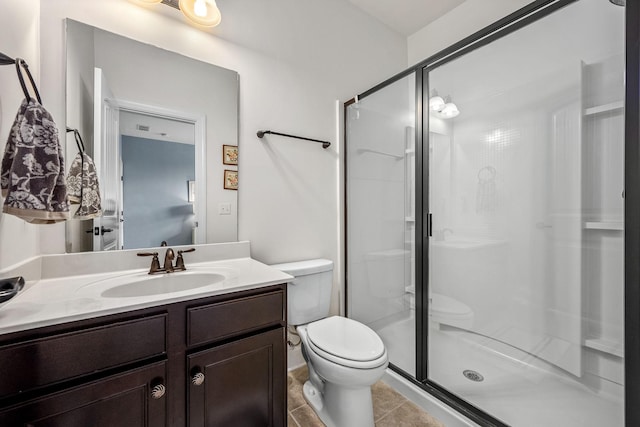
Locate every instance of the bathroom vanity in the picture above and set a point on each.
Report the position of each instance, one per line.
(209, 358)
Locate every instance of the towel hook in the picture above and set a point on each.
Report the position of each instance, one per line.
(78, 138)
(21, 62)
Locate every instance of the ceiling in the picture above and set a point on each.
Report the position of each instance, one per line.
(156, 128)
(406, 16)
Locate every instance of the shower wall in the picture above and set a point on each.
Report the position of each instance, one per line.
(509, 207)
(380, 199)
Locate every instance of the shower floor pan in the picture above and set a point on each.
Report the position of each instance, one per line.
(514, 388)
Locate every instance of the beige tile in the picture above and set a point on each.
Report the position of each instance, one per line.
(300, 374)
(291, 422)
(408, 415)
(385, 399)
(295, 398)
(305, 417)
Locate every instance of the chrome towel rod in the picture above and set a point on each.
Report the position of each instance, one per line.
(262, 133)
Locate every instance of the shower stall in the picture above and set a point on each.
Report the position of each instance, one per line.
(493, 213)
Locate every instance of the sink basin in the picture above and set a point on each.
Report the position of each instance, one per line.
(139, 285)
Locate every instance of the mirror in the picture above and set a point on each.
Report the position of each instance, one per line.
(155, 123)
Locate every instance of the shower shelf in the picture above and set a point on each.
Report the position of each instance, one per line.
(599, 109)
(604, 225)
(604, 345)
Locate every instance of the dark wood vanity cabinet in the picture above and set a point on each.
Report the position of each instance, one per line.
(232, 384)
(216, 361)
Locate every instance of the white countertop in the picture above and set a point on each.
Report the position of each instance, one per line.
(52, 301)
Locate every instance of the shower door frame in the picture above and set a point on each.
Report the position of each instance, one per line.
(524, 16)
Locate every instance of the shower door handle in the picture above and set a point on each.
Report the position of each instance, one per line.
(430, 224)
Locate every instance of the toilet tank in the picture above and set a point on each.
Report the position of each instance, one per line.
(309, 294)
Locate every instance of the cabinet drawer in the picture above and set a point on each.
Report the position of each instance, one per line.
(221, 320)
(40, 362)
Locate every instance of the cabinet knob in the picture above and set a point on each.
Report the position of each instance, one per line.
(158, 391)
(197, 379)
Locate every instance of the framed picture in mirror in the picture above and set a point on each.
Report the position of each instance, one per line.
(230, 155)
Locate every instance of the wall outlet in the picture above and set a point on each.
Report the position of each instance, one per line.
(224, 208)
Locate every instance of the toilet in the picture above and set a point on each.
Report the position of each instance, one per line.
(344, 357)
(445, 310)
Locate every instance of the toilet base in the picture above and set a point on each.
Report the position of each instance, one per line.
(331, 408)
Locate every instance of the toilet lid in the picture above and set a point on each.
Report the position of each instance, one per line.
(346, 339)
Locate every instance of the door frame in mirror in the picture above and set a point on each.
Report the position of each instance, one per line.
(200, 129)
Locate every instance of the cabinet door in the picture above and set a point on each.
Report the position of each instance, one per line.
(119, 400)
(240, 384)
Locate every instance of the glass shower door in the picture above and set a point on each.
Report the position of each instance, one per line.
(380, 217)
(525, 275)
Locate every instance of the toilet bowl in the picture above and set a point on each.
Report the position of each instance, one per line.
(444, 310)
(344, 356)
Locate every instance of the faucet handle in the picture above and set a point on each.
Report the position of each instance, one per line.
(155, 262)
(180, 260)
(147, 254)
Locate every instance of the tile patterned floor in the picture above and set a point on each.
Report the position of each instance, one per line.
(390, 408)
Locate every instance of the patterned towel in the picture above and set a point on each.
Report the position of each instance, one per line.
(32, 172)
(82, 184)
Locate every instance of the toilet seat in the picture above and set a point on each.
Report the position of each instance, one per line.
(449, 311)
(346, 342)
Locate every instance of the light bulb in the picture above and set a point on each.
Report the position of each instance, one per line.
(200, 8)
(436, 103)
(449, 111)
(201, 12)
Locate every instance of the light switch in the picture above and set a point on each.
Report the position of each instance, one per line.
(224, 208)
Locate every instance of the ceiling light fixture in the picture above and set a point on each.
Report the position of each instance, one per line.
(443, 108)
(450, 110)
(436, 103)
(150, 1)
(202, 12)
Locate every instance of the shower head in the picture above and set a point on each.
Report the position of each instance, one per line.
(619, 2)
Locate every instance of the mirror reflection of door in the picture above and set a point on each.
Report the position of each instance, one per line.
(158, 179)
(106, 228)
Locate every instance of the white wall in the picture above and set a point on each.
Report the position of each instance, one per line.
(295, 58)
(464, 20)
(80, 88)
(18, 37)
